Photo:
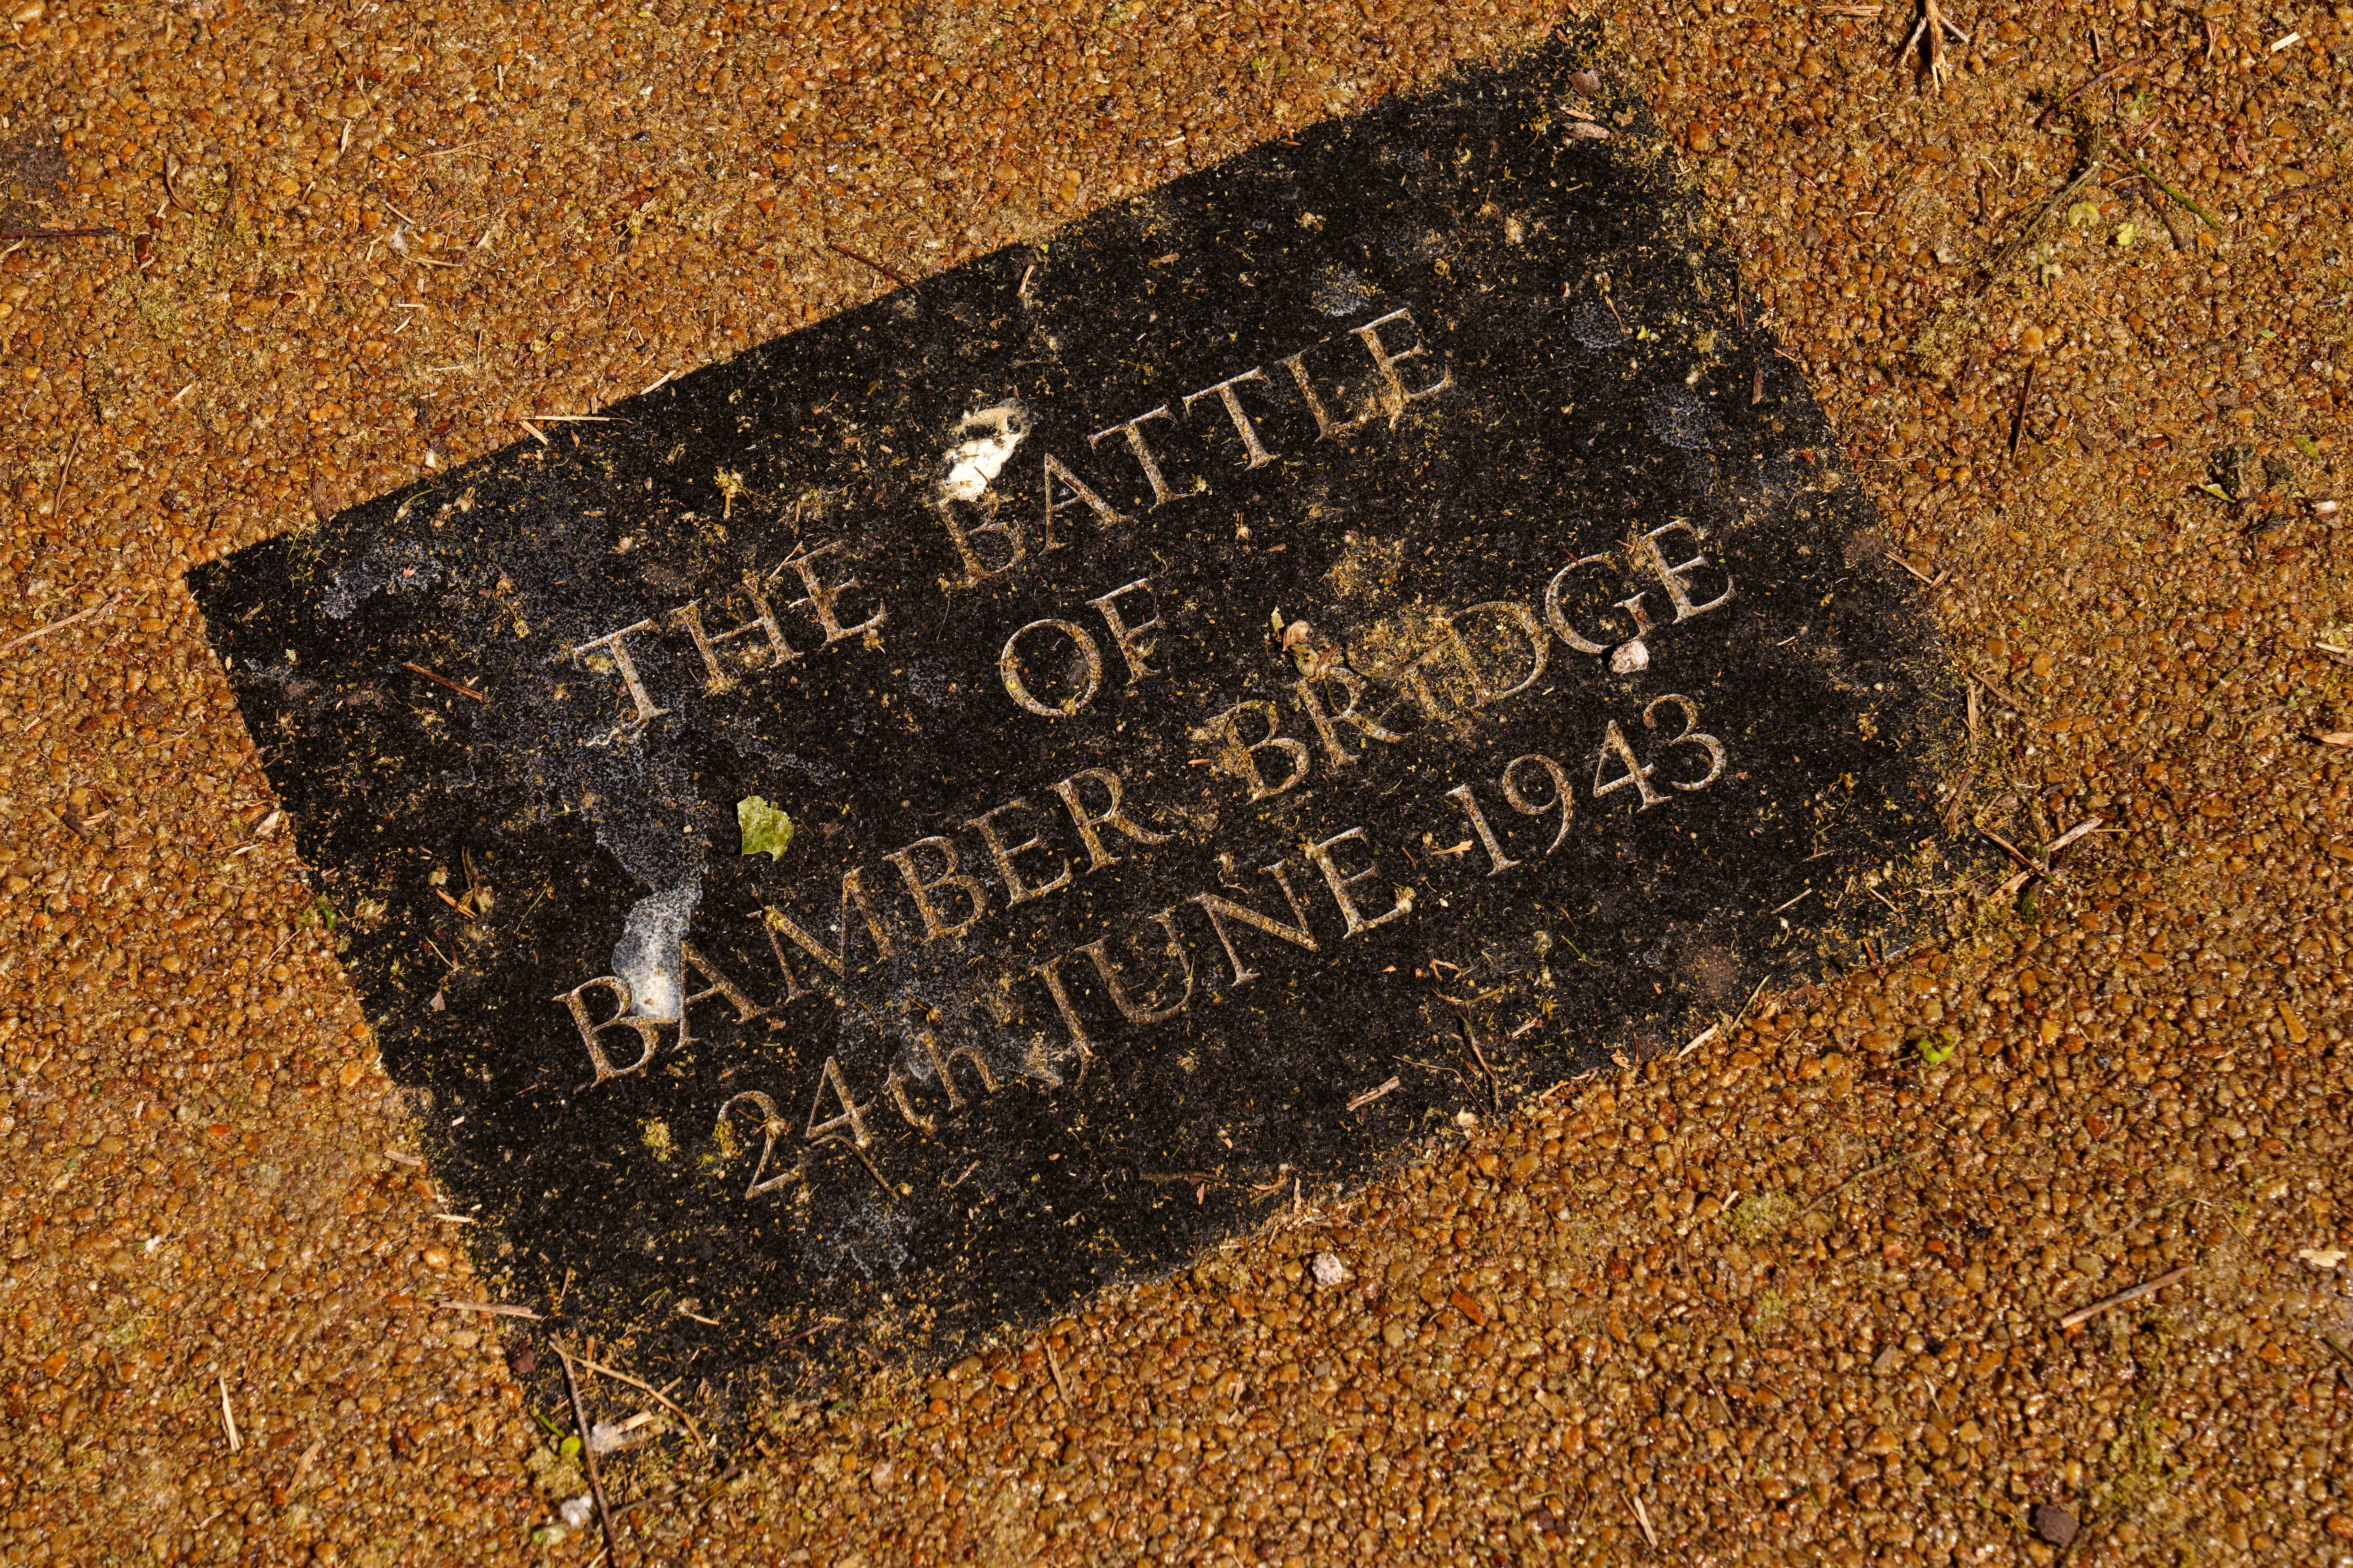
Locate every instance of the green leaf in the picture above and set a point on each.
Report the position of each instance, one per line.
(765, 828)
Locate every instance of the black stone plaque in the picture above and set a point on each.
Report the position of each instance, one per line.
(982, 797)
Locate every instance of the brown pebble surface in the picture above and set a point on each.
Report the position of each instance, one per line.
(1796, 1298)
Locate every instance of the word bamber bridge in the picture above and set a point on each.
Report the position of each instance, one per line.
(1361, 633)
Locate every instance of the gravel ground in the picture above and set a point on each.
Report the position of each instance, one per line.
(1797, 1297)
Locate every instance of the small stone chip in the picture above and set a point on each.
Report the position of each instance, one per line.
(2054, 1524)
(1329, 1270)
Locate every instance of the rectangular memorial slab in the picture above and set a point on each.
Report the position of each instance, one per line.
(978, 799)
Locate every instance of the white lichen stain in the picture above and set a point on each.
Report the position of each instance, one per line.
(975, 462)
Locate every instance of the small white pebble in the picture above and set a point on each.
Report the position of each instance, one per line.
(575, 1512)
(1329, 1270)
(1630, 658)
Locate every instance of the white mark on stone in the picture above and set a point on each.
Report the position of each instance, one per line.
(1342, 291)
(975, 462)
(1592, 325)
(647, 957)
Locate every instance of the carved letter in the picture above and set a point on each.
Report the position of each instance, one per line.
(894, 1084)
(1415, 682)
(1042, 1061)
(976, 571)
(1613, 744)
(1559, 621)
(648, 1030)
(1690, 737)
(1144, 1012)
(770, 1125)
(1160, 491)
(1008, 666)
(691, 617)
(1499, 862)
(1325, 862)
(1079, 491)
(1325, 428)
(1371, 334)
(1218, 908)
(852, 894)
(746, 1008)
(1538, 644)
(1126, 636)
(1224, 391)
(819, 1131)
(1369, 726)
(822, 595)
(1633, 607)
(1015, 890)
(1676, 578)
(1240, 760)
(1097, 857)
(921, 890)
(1564, 799)
(944, 1066)
(645, 709)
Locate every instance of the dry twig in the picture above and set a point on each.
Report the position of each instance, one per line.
(588, 1453)
(65, 472)
(865, 260)
(1879, 1169)
(1701, 1038)
(2151, 175)
(1934, 27)
(1641, 1513)
(2010, 849)
(2123, 1298)
(1471, 1037)
(2109, 75)
(2096, 153)
(23, 638)
(444, 680)
(651, 1392)
(2088, 825)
